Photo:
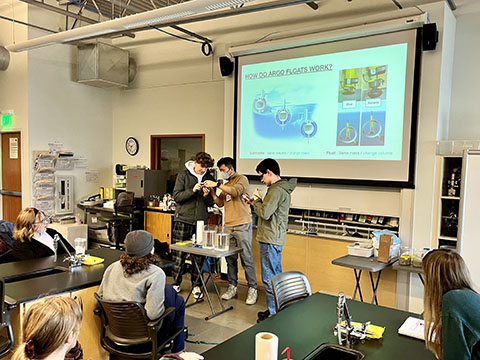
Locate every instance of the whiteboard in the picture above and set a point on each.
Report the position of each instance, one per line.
(469, 234)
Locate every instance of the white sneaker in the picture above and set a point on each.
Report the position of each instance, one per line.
(252, 296)
(197, 292)
(230, 293)
(176, 288)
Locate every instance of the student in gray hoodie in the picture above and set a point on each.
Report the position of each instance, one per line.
(192, 200)
(272, 214)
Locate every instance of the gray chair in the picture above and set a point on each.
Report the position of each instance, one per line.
(127, 332)
(289, 287)
(6, 343)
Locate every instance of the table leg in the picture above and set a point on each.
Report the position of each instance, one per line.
(421, 278)
(375, 286)
(200, 274)
(357, 284)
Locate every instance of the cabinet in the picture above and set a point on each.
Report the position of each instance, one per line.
(159, 224)
(449, 200)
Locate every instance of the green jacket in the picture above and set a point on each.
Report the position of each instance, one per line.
(461, 325)
(273, 212)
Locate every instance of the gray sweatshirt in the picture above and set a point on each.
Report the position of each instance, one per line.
(146, 287)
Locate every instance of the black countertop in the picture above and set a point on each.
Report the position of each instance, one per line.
(307, 324)
(82, 277)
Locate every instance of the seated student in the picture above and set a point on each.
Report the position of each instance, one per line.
(32, 238)
(452, 307)
(50, 330)
(137, 277)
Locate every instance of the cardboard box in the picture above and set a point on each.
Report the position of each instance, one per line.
(384, 248)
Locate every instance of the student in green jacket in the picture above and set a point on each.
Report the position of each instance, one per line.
(452, 307)
(272, 214)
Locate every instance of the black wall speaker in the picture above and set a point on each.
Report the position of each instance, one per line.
(226, 65)
(429, 36)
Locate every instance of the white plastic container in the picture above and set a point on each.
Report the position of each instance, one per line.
(356, 250)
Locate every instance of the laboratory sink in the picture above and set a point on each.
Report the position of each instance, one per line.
(34, 274)
(334, 352)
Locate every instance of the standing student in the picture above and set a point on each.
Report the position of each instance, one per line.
(272, 214)
(238, 223)
(192, 199)
(452, 307)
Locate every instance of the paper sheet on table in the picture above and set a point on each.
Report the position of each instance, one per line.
(413, 327)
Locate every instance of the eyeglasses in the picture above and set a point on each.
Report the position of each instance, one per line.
(44, 221)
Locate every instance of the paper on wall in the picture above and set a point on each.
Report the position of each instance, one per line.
(13, 148)
(91, 175)
(81, 162)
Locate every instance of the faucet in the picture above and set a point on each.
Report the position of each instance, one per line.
(72, 260)
(347, 332)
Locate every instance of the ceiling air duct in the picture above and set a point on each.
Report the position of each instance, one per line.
(103, 65)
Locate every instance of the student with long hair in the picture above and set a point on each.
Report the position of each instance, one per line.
(50, 329)
(32, 237)
(451, 307)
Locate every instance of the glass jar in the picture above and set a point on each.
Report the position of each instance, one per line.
(405, 258)
(209, 233)
(222, 242)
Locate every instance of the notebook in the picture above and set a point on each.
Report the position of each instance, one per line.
(412, 327)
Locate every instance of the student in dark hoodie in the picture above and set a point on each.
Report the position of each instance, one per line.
(272, 214)
(32, 237)
(192, 201)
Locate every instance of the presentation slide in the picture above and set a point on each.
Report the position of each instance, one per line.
(345, 105)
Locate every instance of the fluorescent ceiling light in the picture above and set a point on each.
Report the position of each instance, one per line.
(152, 17)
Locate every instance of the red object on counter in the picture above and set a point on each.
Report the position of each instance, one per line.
(287, 350)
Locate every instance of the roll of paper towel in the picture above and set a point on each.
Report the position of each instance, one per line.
(266, 346)
(200, 232)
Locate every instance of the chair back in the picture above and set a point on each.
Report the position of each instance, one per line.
(6, 343)
(124, 203)
(289, 287)
(125, 321)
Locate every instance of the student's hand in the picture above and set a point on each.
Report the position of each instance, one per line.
(197, 187)
(210, 183)
(206, 191)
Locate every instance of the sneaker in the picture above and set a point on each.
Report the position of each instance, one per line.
(230, 293)
(251, 296)
(197, 292)
(176, 288)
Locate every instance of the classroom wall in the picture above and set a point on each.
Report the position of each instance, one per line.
(13, 82)
(464, 122)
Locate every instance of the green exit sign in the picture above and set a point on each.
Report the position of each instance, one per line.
(7, 120)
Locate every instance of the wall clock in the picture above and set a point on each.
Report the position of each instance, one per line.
(131, 145)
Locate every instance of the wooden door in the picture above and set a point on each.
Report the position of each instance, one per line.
(11, 176)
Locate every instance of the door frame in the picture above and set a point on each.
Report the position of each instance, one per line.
(156, 146)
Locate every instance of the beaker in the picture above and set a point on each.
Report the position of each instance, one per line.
(222, 242)
(209, 232)
(80, 246)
